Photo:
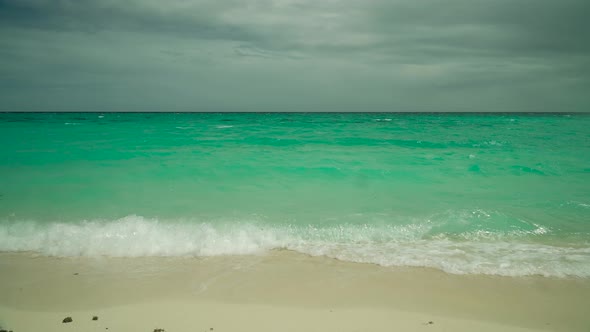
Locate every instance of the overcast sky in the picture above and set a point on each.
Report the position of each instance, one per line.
(295, 55)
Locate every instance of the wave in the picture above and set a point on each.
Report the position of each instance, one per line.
(386, 245)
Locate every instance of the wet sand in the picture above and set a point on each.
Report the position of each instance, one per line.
(280, 291)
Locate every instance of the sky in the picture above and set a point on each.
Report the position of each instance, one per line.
(295, 55)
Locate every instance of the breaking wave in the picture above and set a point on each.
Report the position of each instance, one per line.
(415, 245)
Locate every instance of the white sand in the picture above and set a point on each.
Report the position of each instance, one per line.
(282, 291)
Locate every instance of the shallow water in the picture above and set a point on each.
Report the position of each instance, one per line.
(504, 194)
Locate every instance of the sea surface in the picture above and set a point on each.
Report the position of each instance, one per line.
(496, 194)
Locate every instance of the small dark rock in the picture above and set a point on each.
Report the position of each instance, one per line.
(159, 330)
(76, 273)
(94, 317)
(430, 322)
(210, 329)
(67, 320)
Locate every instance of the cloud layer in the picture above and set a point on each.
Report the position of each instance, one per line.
(294, 55)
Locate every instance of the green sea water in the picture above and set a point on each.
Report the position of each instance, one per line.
(505, 194)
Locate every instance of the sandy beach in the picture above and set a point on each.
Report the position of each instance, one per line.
(280, 291)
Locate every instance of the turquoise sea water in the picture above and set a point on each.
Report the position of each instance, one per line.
(505, 194)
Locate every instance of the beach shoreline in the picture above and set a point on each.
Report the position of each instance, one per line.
(280, 290)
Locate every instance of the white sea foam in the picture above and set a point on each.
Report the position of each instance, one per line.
(408, 245)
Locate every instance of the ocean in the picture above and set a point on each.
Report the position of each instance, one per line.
(493, 194)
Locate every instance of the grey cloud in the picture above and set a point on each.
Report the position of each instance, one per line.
(253, 51)
(294, 55)
(501, 27)
(198, 21)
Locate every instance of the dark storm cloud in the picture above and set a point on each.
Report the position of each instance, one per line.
(93, 16)
(295, 55)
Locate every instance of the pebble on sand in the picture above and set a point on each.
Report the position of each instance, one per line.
(67, 320)
(94, 317)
